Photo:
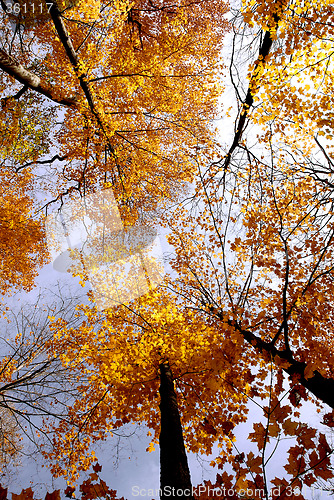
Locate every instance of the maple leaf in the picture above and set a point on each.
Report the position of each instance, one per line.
(26, 494)
(55, 495)
(296, 394)
(224, 479)
(309, 370)
(273, 429)
(227, 427)
(209, 428)
(3, 493)
(289, 426)
(69, 491)
(91, 491)
(328, 419)
(254, 463)
(97, 467)
(93, 476)
(240, 457)
(306, 435)
(296, 461)
(258, 435)
(323, 446)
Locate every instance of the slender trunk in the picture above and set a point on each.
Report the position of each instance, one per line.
(264, 51)
(175, 479)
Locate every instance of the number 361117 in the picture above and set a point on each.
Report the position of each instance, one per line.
(28, 8)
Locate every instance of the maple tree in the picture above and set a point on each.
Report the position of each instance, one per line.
(131, 88)
(250, 296)
(135, 79)
(263, 240)
(264, 229)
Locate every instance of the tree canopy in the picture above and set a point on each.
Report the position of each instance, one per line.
(123, 96)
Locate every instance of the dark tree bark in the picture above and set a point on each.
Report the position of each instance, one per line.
(264, 51)
(174, 470)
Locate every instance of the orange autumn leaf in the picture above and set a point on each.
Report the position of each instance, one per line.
(254, 463)
(55, 495)
(26, 494)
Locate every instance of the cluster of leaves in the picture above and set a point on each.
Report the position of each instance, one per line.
(22, 247)
(122, 122)
(90, 489)
(118, 129)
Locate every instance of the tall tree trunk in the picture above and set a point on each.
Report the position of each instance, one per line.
(174, 470)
